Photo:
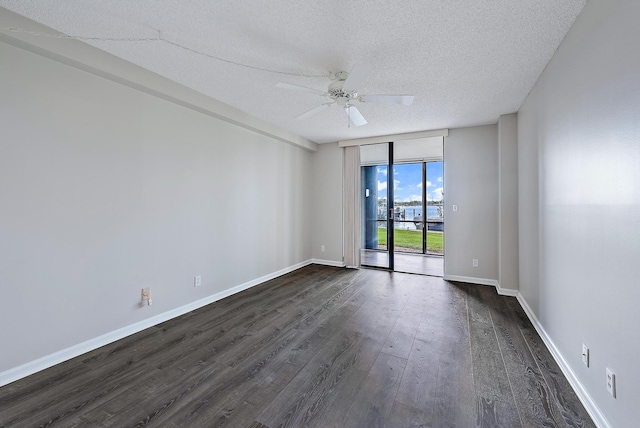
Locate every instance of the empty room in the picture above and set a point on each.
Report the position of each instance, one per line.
(322, 214)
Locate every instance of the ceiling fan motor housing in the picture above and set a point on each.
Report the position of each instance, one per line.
(340, 95)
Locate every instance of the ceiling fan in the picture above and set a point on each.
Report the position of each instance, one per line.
(343, 91)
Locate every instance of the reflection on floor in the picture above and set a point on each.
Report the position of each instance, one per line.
(405, 262)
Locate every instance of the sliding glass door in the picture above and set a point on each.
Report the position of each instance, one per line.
(418, 208)
(408, 203)
(402, 199)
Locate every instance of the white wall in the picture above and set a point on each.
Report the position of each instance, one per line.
(508, 202)
(471, 183)
(326, 199)
(105, 189)
(579, 187)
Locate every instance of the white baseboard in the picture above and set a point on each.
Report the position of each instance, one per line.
(471, 280)
(506, 291)
(327, 262)
(482, 281)
(598, 418)
(47, 361)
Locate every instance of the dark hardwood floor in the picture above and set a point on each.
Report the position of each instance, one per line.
(320, 347)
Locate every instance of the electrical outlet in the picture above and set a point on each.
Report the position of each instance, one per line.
(197, 281)
(322, 248)
(611, 382)
(475, 262)
(585, 355)
(455, 208)
(145, 295)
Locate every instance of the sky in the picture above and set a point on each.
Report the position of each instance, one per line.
(407, 181)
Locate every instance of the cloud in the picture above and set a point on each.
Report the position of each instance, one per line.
(382, 171)
(382, 185)
(437, 194)
(419, 185)
(439, 179)
(412, 198)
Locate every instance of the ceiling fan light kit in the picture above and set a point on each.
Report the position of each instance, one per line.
(343, 91)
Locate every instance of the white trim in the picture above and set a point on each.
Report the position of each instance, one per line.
(471, 280)
(483, 281)
(394, 137)
(506, 291)
(50, 360)
(594, 411)
(327, 262)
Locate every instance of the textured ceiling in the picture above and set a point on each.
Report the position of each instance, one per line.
(466, 61)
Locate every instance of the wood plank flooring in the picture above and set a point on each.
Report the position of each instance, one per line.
(319, 347)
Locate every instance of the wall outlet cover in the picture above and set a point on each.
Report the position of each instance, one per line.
(585, 355)
(145, 296)
(611, 382)
(197, 281)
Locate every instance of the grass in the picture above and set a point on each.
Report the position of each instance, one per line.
(412, 239)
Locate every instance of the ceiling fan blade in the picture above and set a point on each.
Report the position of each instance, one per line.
(354, 114)
(313, 111)
(405, 100)
(358, 73)
(300, 88)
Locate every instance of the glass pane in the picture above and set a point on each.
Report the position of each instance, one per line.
(435, 208)
(374, 174)
(407, 212)
(374, 207)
